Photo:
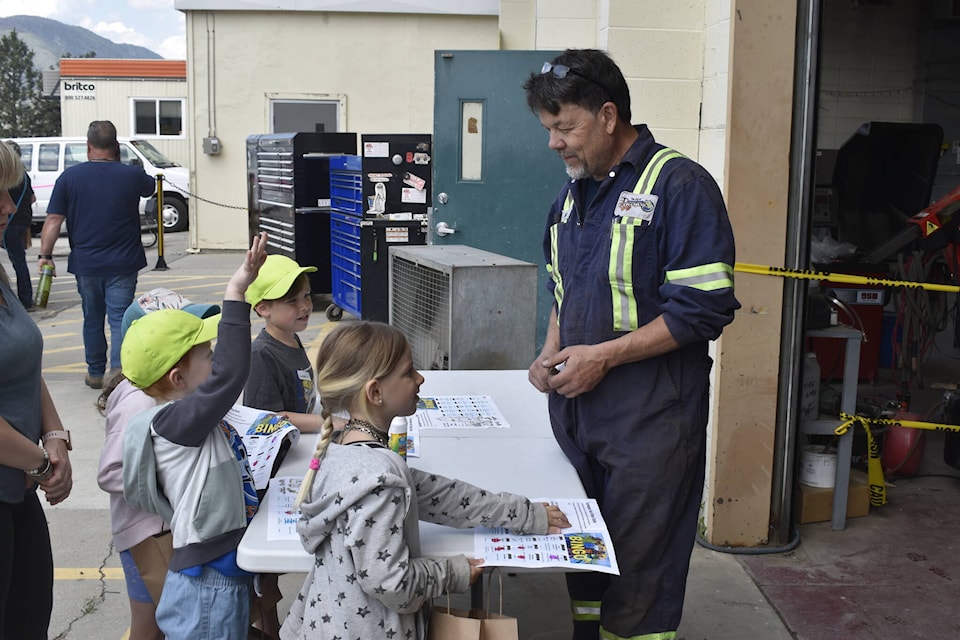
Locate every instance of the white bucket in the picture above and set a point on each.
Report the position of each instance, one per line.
(818, 466)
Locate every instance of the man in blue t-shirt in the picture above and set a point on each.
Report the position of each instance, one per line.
(100, 199)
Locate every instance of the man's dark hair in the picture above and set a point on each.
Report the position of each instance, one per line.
(583, 77)
(102, 134)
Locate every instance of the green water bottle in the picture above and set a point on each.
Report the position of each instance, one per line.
(43, 287)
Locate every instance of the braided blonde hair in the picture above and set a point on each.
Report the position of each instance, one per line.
(351, 355)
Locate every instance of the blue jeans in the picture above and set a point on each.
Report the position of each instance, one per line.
(209, 607)
(13, 241)
(104, 296)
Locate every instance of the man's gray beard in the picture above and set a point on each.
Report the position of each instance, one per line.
(577, 173)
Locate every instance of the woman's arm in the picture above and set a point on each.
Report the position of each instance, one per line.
(16, 450)
(57, 486)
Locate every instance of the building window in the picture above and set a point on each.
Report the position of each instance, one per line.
(157, 117)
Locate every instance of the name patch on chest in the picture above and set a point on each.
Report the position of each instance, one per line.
(636, 205)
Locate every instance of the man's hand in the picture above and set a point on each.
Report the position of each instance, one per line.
(43, 261)
(584, 366)
(541, 371)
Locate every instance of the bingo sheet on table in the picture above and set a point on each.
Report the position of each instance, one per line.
(585, 545)
(458, 412)
(283, 515)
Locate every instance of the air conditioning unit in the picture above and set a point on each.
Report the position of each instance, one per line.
(464, 308)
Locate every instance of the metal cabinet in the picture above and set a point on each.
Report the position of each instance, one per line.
(288, 193)
(377, 201)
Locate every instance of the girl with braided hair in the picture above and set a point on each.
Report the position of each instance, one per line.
(360, 503)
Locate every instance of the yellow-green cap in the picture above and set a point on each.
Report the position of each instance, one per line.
(276, 276)
(158, 340)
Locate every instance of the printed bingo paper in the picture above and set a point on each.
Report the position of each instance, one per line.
(458, 412)
(585, 545)
(263, 434)
(282, 524)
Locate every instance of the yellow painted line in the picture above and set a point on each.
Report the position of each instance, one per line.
(63, 349)
(52, 336)
(77, 367)
(109, 573)
(56, 321)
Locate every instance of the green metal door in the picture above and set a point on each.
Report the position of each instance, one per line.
(493, 175)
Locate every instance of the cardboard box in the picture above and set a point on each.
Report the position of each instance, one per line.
(815, 504)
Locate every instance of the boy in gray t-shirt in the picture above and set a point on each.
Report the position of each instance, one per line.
(281, 376)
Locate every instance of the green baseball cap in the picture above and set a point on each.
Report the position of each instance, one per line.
(158, 340)
(276, 276)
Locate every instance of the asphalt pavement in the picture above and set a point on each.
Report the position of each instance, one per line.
(90, 599)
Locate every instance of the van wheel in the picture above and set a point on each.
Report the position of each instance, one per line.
(174, 215)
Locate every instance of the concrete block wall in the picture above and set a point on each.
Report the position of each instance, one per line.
(716, 79)
(660, 48)
(867, 67)
(675, 56)
(567, 24)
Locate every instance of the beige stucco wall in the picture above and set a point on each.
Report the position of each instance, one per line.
(380, 64)
(113, 102)
(756, 181)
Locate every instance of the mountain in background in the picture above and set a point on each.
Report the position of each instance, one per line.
(50, 40)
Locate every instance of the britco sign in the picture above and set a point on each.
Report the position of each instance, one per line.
(79, 90)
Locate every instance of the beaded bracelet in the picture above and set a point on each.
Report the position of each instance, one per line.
(44, 471)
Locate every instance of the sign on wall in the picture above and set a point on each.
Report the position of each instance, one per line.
(79, 90)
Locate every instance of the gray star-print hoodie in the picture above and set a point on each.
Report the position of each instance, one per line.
(368, 579)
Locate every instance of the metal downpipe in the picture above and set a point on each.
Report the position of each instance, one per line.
(802, 144)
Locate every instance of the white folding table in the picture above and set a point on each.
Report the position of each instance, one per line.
(523, 459)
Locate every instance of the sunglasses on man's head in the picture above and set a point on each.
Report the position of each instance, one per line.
(560, 71)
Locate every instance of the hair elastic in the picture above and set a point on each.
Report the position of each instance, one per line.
(315, 463)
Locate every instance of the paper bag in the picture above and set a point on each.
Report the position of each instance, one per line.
(456, 624)
(152, 557)
(447, 623)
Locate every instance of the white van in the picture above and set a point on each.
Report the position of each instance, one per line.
(46, 158)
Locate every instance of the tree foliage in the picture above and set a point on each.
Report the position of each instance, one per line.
(24, 111)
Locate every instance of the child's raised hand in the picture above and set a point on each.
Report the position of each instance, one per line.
(247, 273)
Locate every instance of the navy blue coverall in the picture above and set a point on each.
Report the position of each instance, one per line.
(637, 440)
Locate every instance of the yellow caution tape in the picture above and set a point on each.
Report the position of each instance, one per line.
(878, 487)
(875, 479)
(912, 424)
(845, 278)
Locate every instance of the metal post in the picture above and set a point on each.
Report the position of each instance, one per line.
(161, 263)
(797, 255)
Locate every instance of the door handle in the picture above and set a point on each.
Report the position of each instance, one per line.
(443, 229)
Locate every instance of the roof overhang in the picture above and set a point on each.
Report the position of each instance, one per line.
(449, 7)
